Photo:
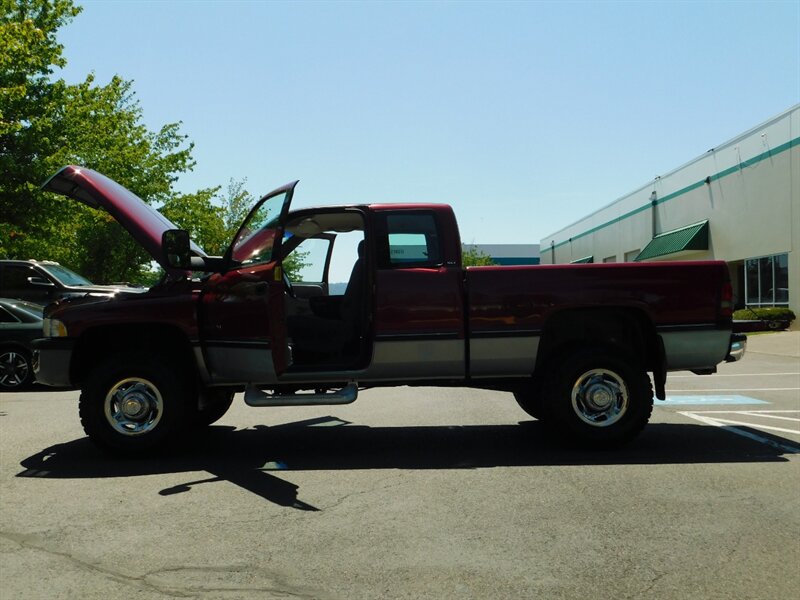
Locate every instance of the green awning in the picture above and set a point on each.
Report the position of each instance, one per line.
(585, 259)
(691, 237)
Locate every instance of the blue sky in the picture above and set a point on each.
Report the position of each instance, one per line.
(524, 116)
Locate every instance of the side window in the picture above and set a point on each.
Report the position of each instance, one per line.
(16, 278)
(7, 317)
(413, 241)
(306, 263)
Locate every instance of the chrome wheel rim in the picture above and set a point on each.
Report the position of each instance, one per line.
(600, 397)
(133, 406)
(14, 369)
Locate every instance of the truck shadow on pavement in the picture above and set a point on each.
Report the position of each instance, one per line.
(249, 458)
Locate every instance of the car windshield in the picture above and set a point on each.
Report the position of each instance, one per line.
(66, 276)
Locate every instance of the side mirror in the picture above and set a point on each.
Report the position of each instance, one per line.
(41, 281)
(175, 245)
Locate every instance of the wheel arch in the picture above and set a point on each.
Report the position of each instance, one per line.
(628, 329)
(97, 343)
(14, 345)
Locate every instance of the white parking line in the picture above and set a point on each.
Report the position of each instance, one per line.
(729, 425)
(784, 389)
(767, 416)
(732, 375)
(755, 412)
(759, 426)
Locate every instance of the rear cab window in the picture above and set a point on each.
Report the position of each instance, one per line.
(410, 239)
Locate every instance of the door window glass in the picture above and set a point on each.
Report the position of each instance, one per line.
(306, 263)
(254, 243)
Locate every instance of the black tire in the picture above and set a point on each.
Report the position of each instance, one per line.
(217, 403)
(16, 370)
(530, 400)
(599, 397)
(135, 404)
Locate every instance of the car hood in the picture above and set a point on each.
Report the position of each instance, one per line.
(105, 289)
(141, 220)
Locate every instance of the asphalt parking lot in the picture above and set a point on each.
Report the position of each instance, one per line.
(417, 493)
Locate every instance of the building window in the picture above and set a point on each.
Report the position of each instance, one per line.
(610, 259)
(766, 280)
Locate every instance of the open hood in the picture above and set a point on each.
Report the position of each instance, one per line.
(141, 220)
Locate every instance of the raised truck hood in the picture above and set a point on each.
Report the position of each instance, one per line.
(141, 220)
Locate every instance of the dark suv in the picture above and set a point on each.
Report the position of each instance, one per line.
(46, 281)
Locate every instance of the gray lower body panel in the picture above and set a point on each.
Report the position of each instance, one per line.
(240, 364)
(503, 356)
(416, 359)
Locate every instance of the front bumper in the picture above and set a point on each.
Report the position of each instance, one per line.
(737, 347)
(51, 361)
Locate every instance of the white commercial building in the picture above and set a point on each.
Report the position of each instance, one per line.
(507, 254)
(739, 202)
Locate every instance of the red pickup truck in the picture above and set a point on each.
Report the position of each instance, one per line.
(573, 343)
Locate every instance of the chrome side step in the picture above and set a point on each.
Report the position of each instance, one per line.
(256, 397)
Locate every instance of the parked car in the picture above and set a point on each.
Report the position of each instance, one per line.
(44, 281)
(20, 323)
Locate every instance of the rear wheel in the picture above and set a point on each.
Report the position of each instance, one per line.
(134, 404)
(599, 396)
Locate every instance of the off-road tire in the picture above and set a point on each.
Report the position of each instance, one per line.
(217, 404)
(598, 396)
(135, 404)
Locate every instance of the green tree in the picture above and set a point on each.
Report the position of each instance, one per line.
(236, 205)
(201, 217)
(29, 129)
(46, 123)
(471, 256)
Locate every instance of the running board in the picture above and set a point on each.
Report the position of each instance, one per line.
(256, 397)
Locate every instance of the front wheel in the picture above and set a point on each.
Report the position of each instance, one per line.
(217, 403)
(599, 396)
(529, 399)
(134, 404)
(15, 369)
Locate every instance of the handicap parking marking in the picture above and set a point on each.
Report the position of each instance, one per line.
(708, 400)
(735, 425)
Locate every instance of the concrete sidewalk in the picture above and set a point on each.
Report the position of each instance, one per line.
(781, 343)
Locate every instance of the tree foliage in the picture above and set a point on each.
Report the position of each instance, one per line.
(46, 123)
(472, 256)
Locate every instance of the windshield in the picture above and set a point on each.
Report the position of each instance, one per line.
(66, 276)
(255, 241)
